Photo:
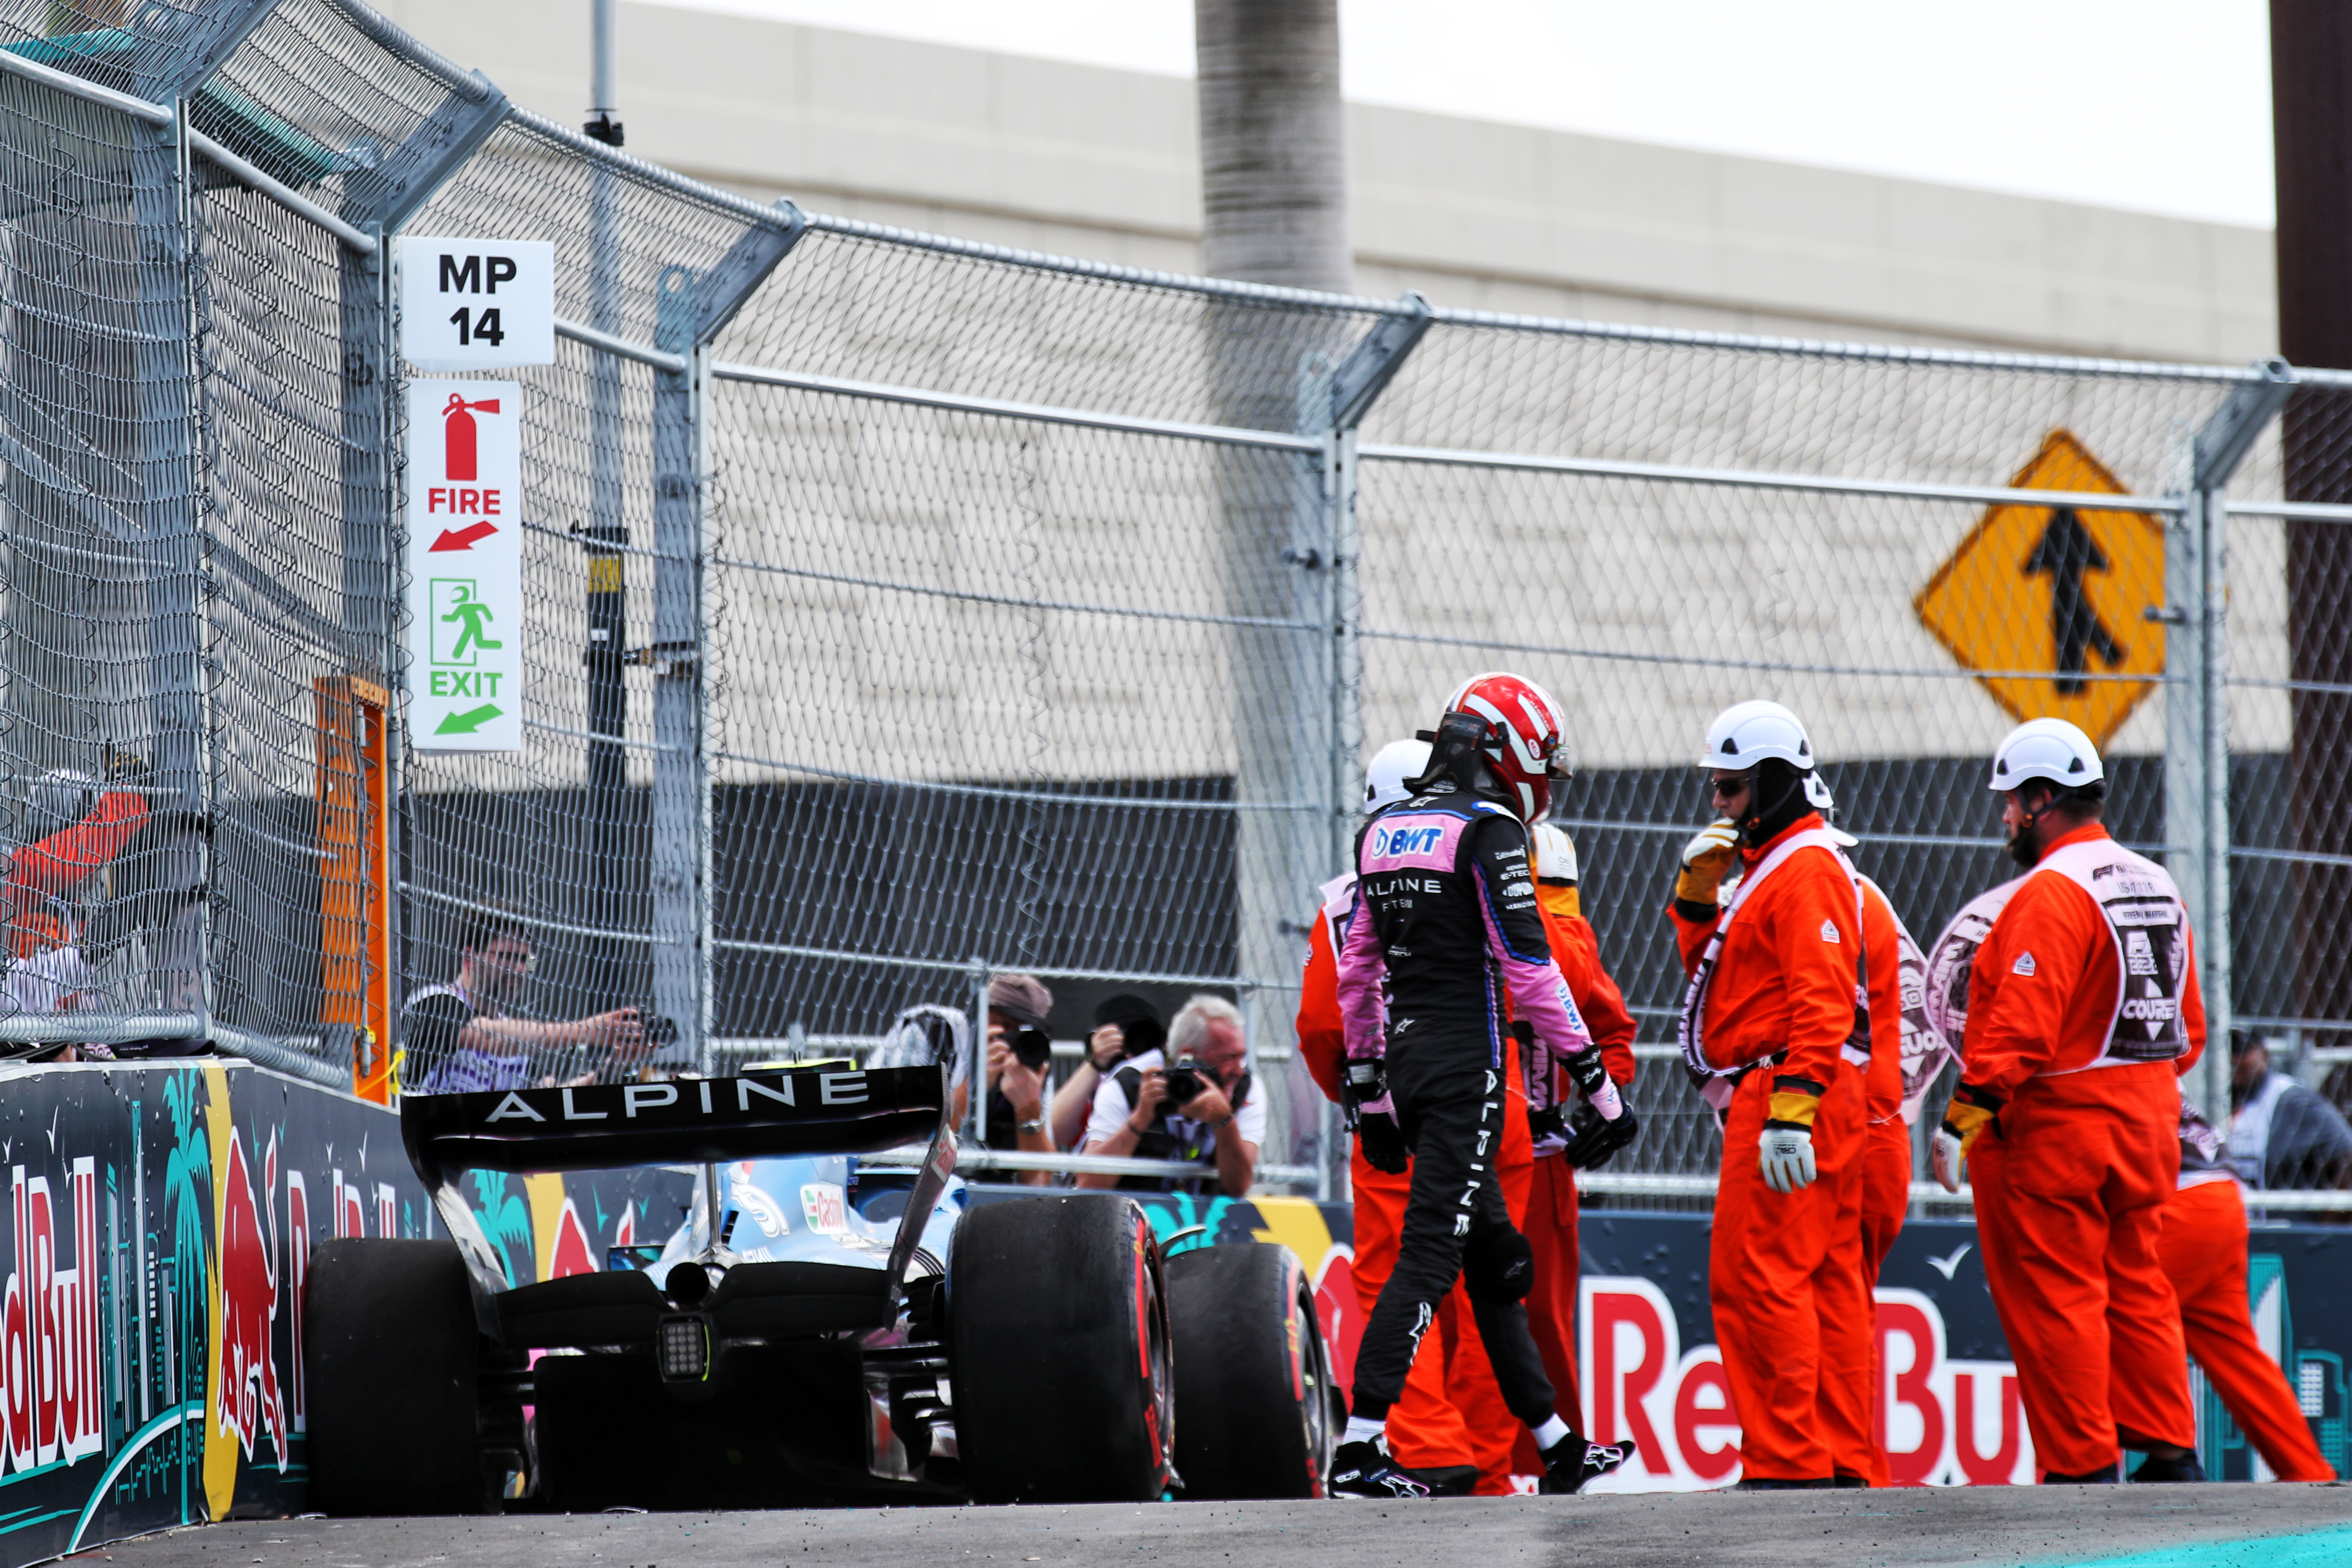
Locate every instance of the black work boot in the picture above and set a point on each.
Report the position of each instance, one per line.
(1778, 1484)
(2184, 1468)
(2104, 1476)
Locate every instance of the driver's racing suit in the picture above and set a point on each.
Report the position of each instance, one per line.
(1446, 927)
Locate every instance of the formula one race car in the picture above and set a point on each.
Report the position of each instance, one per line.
(819, 1328)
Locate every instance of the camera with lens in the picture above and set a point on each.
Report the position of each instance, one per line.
(1032, 1047)
(660, 1030)
(1185, 1081)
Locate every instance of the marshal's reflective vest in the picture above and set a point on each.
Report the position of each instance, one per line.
(2146, 918)
(1716, 1085)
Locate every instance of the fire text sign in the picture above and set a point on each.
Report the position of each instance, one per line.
(465, 566)
(476, 304)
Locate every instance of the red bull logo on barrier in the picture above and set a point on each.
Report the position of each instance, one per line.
(248, 1399)
(1944, 1422)
(49, 1346)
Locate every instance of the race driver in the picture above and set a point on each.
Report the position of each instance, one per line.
(1426, 1433)
(2082, 1011)
(1446, 925)
(1541, 1192)
(1775, 1032)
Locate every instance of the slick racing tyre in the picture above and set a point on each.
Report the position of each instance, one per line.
(1057, 1334)
(391, 1360)
(1253, 1376)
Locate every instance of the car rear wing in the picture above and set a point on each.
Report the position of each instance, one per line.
(777, 1114)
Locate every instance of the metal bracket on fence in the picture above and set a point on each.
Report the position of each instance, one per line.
(405, 178)
(1373, 362)
(721, 289)
(201, 39)
(2223, 440)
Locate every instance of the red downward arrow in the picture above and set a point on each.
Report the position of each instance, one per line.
(463, 539)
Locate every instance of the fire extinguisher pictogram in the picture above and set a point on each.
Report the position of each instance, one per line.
(458, 435)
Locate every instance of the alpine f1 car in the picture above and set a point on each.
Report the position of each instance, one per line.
(822, 1327)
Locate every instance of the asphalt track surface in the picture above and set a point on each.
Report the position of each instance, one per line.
(2237, 1526)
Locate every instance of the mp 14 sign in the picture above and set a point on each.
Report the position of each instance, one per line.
(465, 566)
(476, 304)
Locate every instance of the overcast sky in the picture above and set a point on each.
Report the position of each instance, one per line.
(2162, 105)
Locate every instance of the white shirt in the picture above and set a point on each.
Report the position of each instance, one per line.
(1111, 1109)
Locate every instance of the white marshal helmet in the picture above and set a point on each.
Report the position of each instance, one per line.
(1555, 853)
(2048, 749)
(1391, 765)
(1747, 733)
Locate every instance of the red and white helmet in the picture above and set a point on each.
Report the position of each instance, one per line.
(1525, 742)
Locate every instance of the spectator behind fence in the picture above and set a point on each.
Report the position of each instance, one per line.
(1020, 1064)
(2283, 1136)
(1201, 1111)
(1125, 1025)
(458, 1037)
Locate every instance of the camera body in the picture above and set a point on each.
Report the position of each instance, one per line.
(1185, 1080)
(1033, 1049)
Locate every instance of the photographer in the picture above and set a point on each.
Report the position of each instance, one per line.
(1126, 1026)
(1200, 1111)
(1020, 1065)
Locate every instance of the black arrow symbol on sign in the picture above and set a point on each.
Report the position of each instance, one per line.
(2064, 552)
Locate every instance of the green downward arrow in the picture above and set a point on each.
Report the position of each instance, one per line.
(467, 724)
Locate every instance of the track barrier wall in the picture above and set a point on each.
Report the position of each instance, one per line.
(899, 610)
(158, 1221)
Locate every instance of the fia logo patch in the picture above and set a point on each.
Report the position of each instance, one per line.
(2024, 965)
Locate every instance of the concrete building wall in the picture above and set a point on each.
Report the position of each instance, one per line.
(1101, 164)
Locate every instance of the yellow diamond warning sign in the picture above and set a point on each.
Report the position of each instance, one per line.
(2048, 602)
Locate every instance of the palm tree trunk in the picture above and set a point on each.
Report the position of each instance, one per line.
(1274, 181)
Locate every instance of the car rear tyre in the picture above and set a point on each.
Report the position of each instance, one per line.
(1059, 1343)
(391, 1363)
(1252, 1374)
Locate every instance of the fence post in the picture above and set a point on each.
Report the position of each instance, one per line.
(2222, 445)
(172, 549)
(674, 654)
(606, 826)
(692, 308)
(976, 1074)
(1355, 386)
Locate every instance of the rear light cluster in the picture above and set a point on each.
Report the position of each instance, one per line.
(683, 1346)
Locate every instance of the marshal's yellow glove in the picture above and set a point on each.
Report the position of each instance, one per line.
(1973, 1110)
(1707, 859)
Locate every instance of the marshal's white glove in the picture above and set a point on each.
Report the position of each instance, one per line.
(1947, 1158)
(1707, 859)
(1970, 1112)
(1788, 1157)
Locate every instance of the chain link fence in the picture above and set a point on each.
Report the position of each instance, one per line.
(902, 611)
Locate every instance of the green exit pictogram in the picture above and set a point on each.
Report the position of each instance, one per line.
(470, 721)
(461, 622)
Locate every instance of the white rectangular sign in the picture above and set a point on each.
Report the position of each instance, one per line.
(465, 566)
(475, 304)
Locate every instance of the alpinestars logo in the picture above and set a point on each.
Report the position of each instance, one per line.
(1423, 1316)
(1829, 933)
(2024, 965)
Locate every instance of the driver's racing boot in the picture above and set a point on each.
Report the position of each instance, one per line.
(1571, 1462)
(1364, 1469)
